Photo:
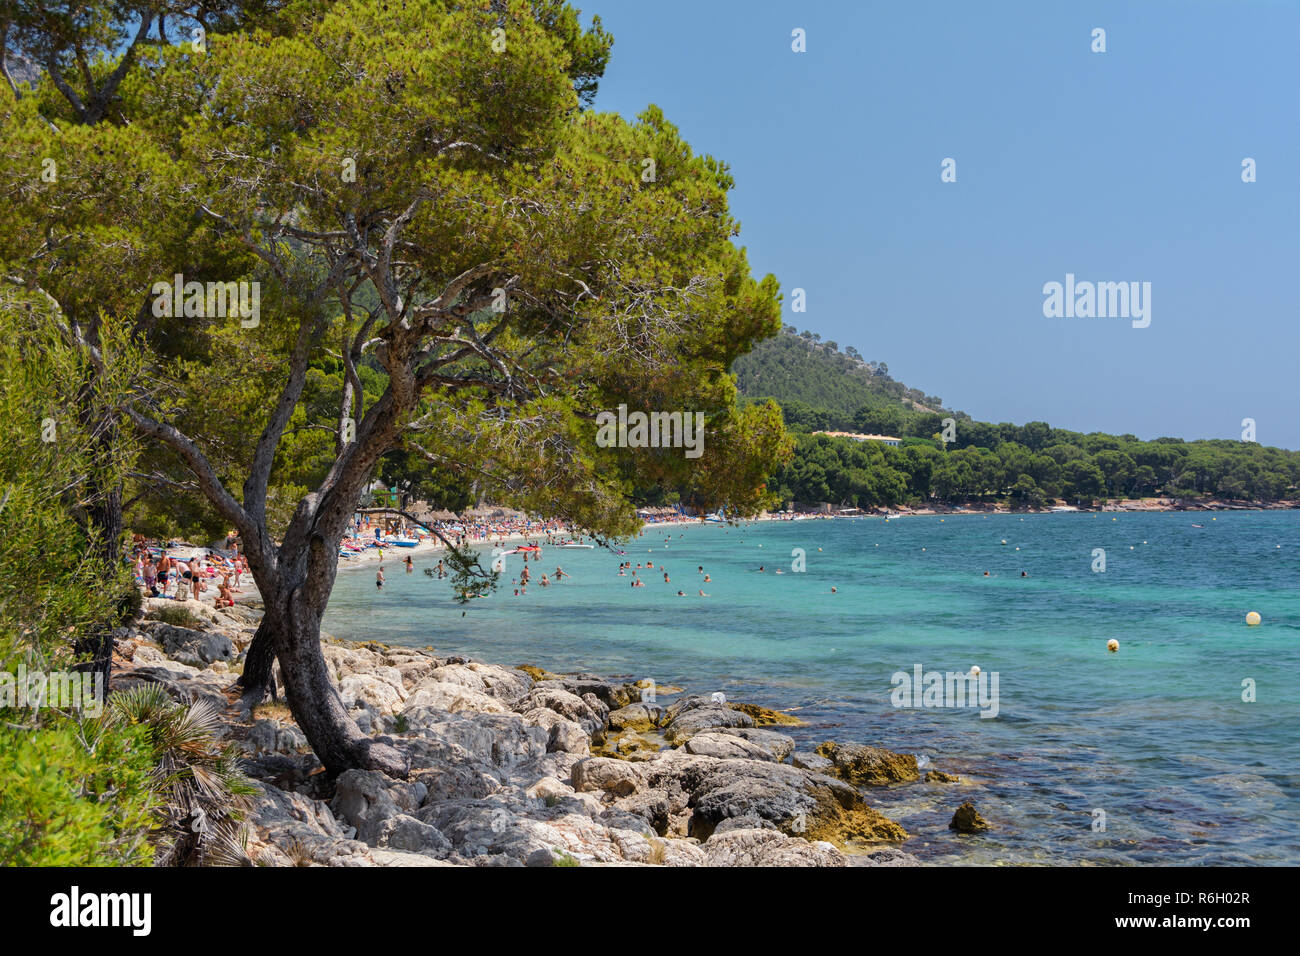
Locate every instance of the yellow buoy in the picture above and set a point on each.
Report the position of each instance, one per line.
(1112, 645)
(1253, 619)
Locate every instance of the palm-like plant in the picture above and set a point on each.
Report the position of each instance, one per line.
(205, 795)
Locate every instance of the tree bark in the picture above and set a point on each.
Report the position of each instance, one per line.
(104, 518)
(256, 678)
(292, 624)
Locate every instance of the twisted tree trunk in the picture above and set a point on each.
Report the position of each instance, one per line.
(294, 599)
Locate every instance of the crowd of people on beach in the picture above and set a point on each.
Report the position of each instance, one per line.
(163, 571)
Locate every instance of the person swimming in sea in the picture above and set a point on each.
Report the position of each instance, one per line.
(379, 580)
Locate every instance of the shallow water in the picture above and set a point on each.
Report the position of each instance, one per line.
(1156, 736)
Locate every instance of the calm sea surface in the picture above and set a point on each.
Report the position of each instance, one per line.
(1157, 737)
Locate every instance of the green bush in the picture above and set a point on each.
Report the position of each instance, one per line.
(76, 794)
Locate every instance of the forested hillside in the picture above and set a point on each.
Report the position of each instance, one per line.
(820, 387)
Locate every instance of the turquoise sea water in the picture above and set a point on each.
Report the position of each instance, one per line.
(1156, 736)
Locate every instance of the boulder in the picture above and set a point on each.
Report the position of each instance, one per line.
(289, 829)
(195, 646)
(779, 746)
(366, 798)
(693, 715)
(655, 807)
(486, 741)
(567, 705)
(815, 762)
(636, 716)
(794, 801)
(768, 848)
(618, 778)
(563, 735)
(451, 698)
(403, 832)
(378, 693)
(713, 744)
(612, 695)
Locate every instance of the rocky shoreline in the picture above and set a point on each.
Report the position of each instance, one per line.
(514, 766)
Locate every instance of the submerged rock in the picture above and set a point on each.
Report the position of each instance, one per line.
(938, 776)
(764, 716)
(862, 766)
(968, 820)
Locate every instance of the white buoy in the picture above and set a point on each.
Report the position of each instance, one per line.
(1112, 645)
(1253, 619)
(975, 670)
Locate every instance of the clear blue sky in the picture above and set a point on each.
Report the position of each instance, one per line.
(1117, 166)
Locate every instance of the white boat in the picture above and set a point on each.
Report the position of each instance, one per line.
(573, 544)
(1059, 508)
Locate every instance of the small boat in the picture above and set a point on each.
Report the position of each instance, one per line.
(401, 542)
(1198, 526)
(573, 544)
